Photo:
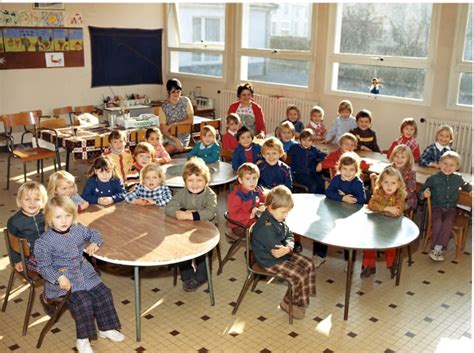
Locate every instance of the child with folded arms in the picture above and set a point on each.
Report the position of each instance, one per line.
(389, 200)
(151, 190)
(143, 154)
(229, 140)
(316, 123)
(63, 183)
(247, 150)
(431, 155)
(195, 202)
(59, 253)
(246, 199)
(409, 130)
(272, 245)
(366, 138)
(28, 222)
(121, 157)
(155, 138)
(207, 149)
(286, 134)
(103, 187)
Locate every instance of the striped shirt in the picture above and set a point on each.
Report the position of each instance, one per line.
(133, 176)
(161, 195)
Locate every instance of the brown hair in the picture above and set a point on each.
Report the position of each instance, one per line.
(144, 147)
(30, 187)
(196, 166)
(248, 168)
(349, 158)
(242, 131)
(273, 143)
(286, 125)
(409, 122)
(209, 129)
(391, 171)
(153, 130)
(279, 196)
(56, 177)
(345, 105)
(102, 163)
(293, 107)
(306, 133)
(347, 136)
(117, 135)
(243, 87)
(405, 150)
(233, 117)
(62, 202)
(364, 113)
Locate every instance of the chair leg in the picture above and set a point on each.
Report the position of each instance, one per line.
(24, 171)
(38, 166)
(255, 281)
(244, 290)
(8, 172)
(175, 275)
(54, 318)
(9, 288)
(42, 171)
(233, 248)
(290, 306)
(219, 257)
(410, 258)
(28, 308)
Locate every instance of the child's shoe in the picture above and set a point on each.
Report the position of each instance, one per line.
(367, 272)
(191, 285)
(318, 261)
(298, 312)
(436, 255)
(298, 247)
(113, 335)
(83, 345)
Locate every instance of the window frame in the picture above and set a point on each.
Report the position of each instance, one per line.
(333, 58)
(195, 48)
(458, 65)
(281, 54)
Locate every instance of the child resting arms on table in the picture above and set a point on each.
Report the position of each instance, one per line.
(151, 190)
(63, 183)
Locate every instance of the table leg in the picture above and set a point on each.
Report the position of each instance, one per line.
(399, 265)
(350, 266)
(209, 278)
(68, 154)
(136, 271)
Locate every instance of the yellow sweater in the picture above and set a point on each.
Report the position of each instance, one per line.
(122, 163)
(380, 200)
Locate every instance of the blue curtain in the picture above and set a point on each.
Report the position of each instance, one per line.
(123, 56)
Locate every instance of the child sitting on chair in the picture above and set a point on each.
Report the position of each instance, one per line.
(389, 200)
(103, 187)
(207, 149)
(316, 123)
(272, 245)
(366, 138)
(293, 116)
(273, 171)
(402, 159)
(143, 154)
(154, 136)
(409, 130)
(345, 122)
(151, 190)
(286, 134)
(247, 150)
(28, 222)
(229, 140)
(443, 188)
(246, 199)
(432, 153)
(59, 253)
(121, 157)
(195, 202)
(63, 183)
(304, 160)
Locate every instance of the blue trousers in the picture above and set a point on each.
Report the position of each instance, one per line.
(314, 182)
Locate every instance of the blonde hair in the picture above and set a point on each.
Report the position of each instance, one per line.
(273, 143)
(279, 196)
(348, 136)
(288, 125)
(196, 166)
(407, 151)
(391, 171)
(345, 105)
(144, 147)
(409, 122)
(153, 167)
(446, 128)
(56, 178)
(62, 202)
(349, 158)
(30, 187)
(451, 155)
(208, 129)
(248, 168)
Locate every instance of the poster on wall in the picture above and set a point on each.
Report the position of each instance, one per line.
(8, 18)
(76, 40)
(52, 19)
(12, 40)
(45, 39)
(29, 39)
(54, 59)
(61, 40)
(2, 48)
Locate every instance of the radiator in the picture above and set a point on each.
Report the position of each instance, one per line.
(462, 143)
(273, 107)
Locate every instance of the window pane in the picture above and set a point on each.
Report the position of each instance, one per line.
(277, 26)
(465, 89)
(291, 72)
(204, 22)
(398, 82)
(385, 29)
(191, 62)
(468, 43)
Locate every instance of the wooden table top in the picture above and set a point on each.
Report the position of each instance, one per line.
(347, 225)
(221, 173)
(144, 236)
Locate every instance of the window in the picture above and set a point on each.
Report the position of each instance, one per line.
(276, 46)
(196, 38)
(390, 42)
(461, 94)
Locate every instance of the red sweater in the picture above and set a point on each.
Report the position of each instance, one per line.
(240, 203)
(410, 142)
(257, 111)
(229, 142)
(332, 158)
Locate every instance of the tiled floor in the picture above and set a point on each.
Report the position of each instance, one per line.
(432, 302)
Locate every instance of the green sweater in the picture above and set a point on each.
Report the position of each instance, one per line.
(445, 189)
(205, 204)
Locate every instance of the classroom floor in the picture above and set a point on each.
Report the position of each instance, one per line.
(430, 308)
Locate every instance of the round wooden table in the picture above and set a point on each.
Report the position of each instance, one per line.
(349, 226)
(144, 236)
(221, 173)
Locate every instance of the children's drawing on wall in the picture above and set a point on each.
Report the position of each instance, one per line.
(74, 20)
(52, 19)
(12, 40)
(76, 39)
(2, 48)
(8, 18)
(45, 40)
(54, 59)
(29, 38)
(61, 40)
(28, 18)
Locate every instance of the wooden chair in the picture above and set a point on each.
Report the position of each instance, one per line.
(58, 306)
(68, 111)
(226, 155)
(85, 109)
(461, 223)
(22, 247)
(254, 271)
(234, 239)
(182, 129)
(26, 154)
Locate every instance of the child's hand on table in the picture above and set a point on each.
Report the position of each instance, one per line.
(365, 148)
(394, 210)
(83, 205)
(280, 250)
(349, 199)
(144, 202)
(92, 248)
(64, 283)
(184, 215)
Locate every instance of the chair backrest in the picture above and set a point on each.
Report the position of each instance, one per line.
(180, 129)
(230, 220)
(216, 124)
(84, 109)
(428, 212)
(226, 155)
(373, 180)
(54, 123)
(248, 250)
(465, 199)
(11, 121)
(19, 245)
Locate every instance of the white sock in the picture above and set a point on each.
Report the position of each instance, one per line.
(438, 247)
